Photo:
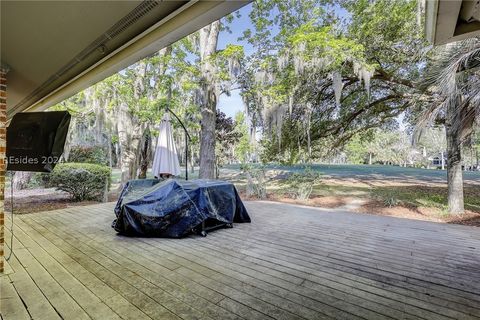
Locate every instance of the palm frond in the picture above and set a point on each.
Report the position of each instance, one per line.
(453, 79)
(450, 61)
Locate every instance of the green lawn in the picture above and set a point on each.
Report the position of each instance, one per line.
(420, 194)
(369, 172)
(415, 187)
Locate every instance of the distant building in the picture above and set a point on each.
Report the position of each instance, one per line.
(439, 161)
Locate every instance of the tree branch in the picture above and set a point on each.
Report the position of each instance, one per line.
(383, 75)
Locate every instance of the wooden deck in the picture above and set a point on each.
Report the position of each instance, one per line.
(291, 262)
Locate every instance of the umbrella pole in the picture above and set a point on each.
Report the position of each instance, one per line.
(187, 137)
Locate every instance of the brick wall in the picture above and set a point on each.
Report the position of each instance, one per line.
(3, 121)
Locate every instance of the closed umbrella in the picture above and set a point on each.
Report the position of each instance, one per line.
(165, 161)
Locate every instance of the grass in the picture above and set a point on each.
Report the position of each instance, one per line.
(346, 171)
(412, 196)
(321, 189)
(408, 191)
(428, 196)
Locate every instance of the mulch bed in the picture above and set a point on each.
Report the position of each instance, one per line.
(38, 200)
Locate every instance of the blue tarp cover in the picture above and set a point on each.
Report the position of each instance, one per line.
(173, 208)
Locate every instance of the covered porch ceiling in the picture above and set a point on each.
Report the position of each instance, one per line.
(451, 20)
(54, 49)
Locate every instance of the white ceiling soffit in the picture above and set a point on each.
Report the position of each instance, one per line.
(55, 49)
(451, 20)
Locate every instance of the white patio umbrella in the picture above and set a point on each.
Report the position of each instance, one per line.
(165, 160)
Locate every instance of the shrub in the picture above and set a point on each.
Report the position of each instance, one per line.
(83, 181)
(39, 179)
(302, 183)
(256, 182)
(91, 154)
(391, 201)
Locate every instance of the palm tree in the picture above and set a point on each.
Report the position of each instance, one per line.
(452, 82)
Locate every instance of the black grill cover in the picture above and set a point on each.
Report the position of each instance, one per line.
(172, 208)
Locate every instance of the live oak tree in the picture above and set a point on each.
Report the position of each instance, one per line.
(133, 96)
(321, 79)
(127, 106)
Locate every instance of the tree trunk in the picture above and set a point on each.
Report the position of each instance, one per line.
(309, 127)
(21, 180)
(145, 155)
(208, 47)
(443, 160)
(454, 167)
(217, 170)
(471, 159)
(129, 138)
(130, 128)
(192, 162)
(109, 150)
(478, 159)
(369, 158)
(207, 142)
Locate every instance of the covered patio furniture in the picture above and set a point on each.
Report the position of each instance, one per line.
(176, 208)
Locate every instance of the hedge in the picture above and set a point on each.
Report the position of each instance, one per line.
(83, 181)
(91, 154)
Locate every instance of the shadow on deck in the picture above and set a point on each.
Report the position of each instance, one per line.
(291, 262)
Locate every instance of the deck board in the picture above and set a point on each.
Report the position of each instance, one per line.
(60, 273)
(12, 306)
(152, 281)
(291, 262)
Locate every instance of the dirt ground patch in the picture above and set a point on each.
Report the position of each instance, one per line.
(38, 200)
(325, 202)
